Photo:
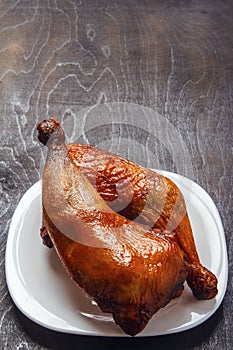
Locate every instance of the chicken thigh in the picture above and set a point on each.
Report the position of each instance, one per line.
(143, 196)
(128, 269)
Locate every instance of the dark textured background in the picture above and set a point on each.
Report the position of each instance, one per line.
(174, 57)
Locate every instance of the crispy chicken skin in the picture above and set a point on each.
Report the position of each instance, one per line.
(141, 195)
(128, 269)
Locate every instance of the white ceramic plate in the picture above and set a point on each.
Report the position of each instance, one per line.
(42, 290)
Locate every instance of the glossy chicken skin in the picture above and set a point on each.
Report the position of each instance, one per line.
(129, 270)
(147, 197)
(141, 195)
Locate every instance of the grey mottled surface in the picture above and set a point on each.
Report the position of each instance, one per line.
(67, 59)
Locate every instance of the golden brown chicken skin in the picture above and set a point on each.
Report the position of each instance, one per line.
(129, 270)
(141, 195)
(146, 197)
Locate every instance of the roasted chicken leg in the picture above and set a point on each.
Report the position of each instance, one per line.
(128, 269)
(141, 195)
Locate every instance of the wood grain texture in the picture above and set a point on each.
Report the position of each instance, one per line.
(58, 58)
